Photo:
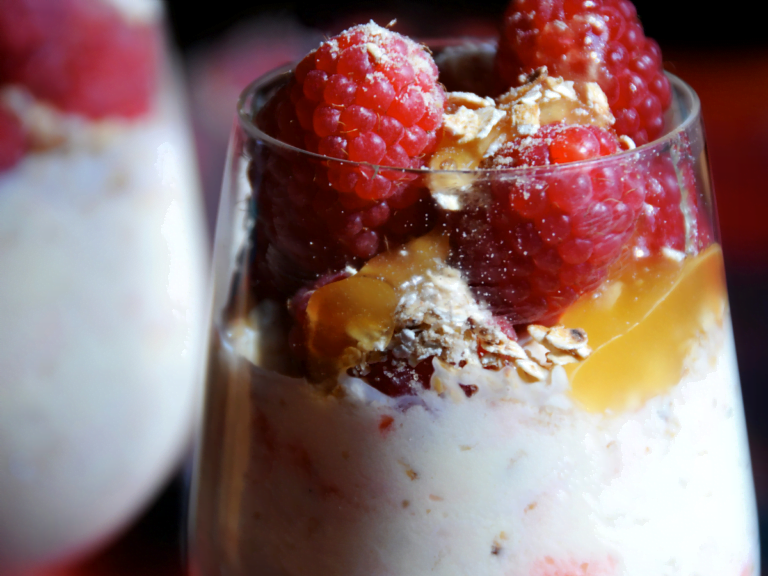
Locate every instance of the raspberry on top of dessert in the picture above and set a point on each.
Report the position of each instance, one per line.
(528, 202)
(596, 40)
(368, 95)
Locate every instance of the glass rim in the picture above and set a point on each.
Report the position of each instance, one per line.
(245, 119)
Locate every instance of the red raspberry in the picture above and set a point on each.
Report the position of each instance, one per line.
(662, 222)
(367, 95)
(395, 377)
(672, 212)
(557, 144)
(591, 40)
(546, 238)
(13, 141)
(307, 228)
(81, 55)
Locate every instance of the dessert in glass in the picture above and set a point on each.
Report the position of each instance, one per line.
(458, 334)
(102, 252)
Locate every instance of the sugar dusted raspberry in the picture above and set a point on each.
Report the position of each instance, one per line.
(368, 95)
(13, 141)
(81, 55)
(557, 144)
(593, 40)
(546, 238)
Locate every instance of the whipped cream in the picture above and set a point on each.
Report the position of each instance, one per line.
(504, 478)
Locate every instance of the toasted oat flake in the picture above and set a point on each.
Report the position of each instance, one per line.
(561, 358)
(532, 369)
(557, 346)
(376, 53)
(469, 100)
(566, 338)
(538, 332)
(468, 125)
(583, 352)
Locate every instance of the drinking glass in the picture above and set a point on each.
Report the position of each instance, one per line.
(619, 448)
(103, 253)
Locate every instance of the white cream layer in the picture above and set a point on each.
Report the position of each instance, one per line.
(102, 274)
(515, 480)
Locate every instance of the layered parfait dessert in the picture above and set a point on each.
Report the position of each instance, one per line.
(479, 328)
(102, 259)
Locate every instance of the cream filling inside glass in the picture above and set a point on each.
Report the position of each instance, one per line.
(515, 478)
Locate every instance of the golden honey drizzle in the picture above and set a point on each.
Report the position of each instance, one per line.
(642, 326)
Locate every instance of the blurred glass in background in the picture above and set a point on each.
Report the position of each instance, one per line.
(103, 257)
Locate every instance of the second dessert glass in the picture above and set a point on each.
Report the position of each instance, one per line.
(103, 265)
(327, 449)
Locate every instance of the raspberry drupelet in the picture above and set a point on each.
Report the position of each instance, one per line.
(368, 95)
(673, 217)
(596, 40)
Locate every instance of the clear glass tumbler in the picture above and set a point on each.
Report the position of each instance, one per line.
(612, 442)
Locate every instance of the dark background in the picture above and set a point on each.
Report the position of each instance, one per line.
(672, 23)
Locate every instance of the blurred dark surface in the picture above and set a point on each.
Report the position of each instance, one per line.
(153, 546)
(722, 54)
(680, 23)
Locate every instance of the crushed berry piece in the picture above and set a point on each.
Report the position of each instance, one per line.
(469, 389)
(395, 377)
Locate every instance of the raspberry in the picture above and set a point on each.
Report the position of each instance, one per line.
(81, 55)
(395, 377)
(557, 144)
(671, 199)
(662, 223)
(13, 141)
(368, 95)
(307, 228)
(597, 40)
(546, 238)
